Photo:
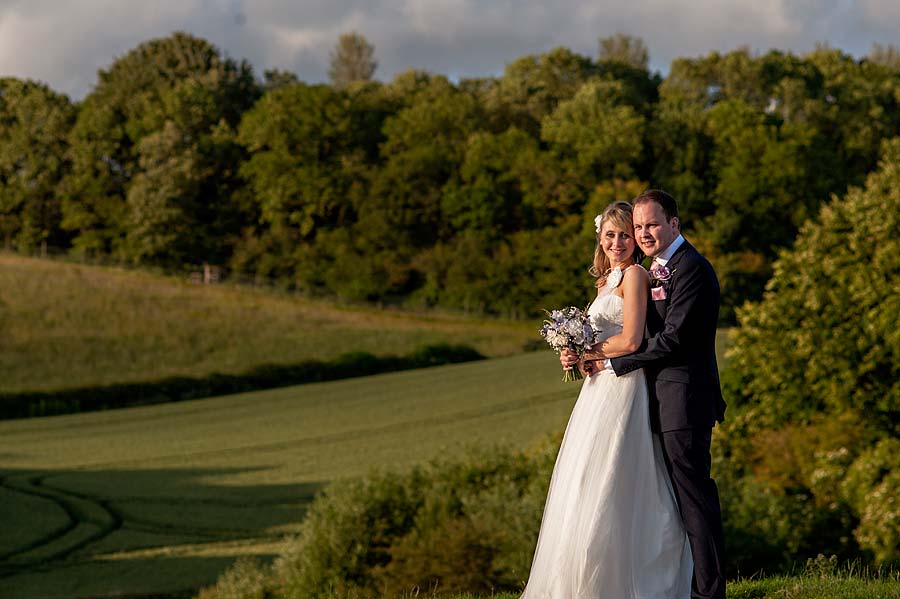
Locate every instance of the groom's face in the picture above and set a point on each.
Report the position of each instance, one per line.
(651, 229)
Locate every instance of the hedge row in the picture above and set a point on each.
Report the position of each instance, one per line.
(267, 376)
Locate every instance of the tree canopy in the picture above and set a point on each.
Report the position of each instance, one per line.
(815, 373)
(375, 191)
(352, 60)
(34, 128)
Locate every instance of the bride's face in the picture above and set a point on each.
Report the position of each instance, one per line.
(617, 244)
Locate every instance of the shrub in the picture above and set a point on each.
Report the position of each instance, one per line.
(828, 316)
(247, 578)
(872, 487)
(467, 525)
(814, 383)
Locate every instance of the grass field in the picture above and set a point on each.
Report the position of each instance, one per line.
(160, 499)
(837, 585)
(67, 325)
(163, 498)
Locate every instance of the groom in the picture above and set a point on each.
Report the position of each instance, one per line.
(678, 356)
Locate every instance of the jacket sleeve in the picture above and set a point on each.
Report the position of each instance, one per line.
(687, 299)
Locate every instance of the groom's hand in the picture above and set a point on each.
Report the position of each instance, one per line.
(595, 354)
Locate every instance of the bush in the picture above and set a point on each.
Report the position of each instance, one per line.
(247, 578)
(828, 316)
(872, 487)
(814, 384)
(469, 525)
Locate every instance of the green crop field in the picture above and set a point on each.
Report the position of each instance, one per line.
(163, 498)
(160, 499)
(68, 325)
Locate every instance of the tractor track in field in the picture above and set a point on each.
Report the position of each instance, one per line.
(68, 501)
(59, 532)
(107, 518)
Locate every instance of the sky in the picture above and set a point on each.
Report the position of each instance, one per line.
(64, 42)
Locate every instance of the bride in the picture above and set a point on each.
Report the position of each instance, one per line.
(611, 527)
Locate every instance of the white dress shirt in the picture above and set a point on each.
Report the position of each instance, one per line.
(667, 253)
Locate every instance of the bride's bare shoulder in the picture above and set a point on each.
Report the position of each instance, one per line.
(637, 273)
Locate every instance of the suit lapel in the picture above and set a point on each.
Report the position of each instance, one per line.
(679, 254)
(672, 264)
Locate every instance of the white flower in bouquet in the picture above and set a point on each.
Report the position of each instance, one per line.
(569, 328)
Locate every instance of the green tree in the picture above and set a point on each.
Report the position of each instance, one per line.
(34, 125)
(861, 108)
(507, 183)
(178, 89)
(353, 60)
(887, 55)
(831, 300)
(532, 86)
(815, 426)
(296, 138)
(275, 78)
(627, 49)
(306, 148)
(597, 130)
(425, 144)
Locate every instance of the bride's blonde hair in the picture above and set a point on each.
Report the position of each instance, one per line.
(620, 214)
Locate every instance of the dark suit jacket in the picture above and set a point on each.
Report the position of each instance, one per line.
(678, 354)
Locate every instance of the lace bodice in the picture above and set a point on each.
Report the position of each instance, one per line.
(607, 312)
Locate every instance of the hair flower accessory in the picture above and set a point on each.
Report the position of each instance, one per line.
(598, 220)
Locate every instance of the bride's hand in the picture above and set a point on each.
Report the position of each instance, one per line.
(568, 359)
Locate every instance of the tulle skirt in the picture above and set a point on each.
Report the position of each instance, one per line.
(611, 528)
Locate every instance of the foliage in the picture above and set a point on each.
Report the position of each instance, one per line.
(164, 108)
(626, 49)
(597, 130)
(34, 125)
(816, 429)
(832, 300)
(888, 55)
(248, 578)
(357, 189)
(464, 525)
(352, 60)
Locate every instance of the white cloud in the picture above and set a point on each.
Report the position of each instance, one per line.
(64, 43)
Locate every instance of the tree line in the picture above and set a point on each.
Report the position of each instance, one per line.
(477, 194)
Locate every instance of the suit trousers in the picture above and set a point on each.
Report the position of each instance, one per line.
(688, 462)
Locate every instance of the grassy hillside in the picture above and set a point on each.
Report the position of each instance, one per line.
(162, 498)
(66, 325)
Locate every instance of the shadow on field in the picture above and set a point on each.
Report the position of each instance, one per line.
(133, 532)
(160, 578)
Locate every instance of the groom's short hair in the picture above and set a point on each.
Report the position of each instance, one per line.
(666, 202)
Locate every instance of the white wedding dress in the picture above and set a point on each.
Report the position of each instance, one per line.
(611, 528)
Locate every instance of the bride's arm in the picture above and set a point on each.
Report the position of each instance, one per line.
(634, 291)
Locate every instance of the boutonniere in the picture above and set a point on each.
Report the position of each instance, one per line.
(660, 279)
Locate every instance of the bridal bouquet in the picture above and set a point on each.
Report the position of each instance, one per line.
(569, 328)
